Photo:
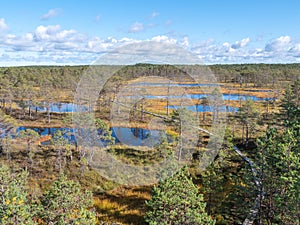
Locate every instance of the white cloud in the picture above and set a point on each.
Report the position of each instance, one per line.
(54, 33)
(204, 47)
(295, 48)
(185, 42)
(51, 13)
(3, 25)
(282, 49)
(46, 38)
(164, 38)
(100, 45)
(283, 43)
(55, 45)
(136, 27)
(226, 45)
(154, 14)
(240, 44)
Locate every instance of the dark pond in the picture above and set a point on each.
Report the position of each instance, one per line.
(58, 107)
(137, 136)
(128, 136)
(43, 131)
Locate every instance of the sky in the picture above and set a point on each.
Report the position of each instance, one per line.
(56, 32)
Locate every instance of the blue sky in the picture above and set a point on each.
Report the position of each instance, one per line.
(59, 32)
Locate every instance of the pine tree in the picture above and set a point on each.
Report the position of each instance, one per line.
(30, 137)
(279, 165)
(14, 205)
(65, 203)
(185, 123)
(176, 201)
(248, 116)
(274, 192)
(216, 184)
(63, 149)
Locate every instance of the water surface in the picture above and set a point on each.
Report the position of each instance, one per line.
(128, 136)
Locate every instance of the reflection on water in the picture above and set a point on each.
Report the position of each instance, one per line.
(43, 131)
(128, 136)
(58, 107)
(137, 136)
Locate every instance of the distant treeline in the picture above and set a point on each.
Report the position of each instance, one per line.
(258, 74)
(67, 77)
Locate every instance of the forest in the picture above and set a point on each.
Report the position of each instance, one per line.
(226, 139)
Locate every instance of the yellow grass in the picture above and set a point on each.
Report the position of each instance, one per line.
(123, 205)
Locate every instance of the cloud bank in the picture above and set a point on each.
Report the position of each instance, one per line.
(53, 45)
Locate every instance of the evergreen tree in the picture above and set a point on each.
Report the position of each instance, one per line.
(63, 149)
(30, 137)
(176, 201)
(64, 203)
(104, 132)
(248, 117)
(279, 165)
(215, 181)
(185, 123)
(14, 206)
(273, 189)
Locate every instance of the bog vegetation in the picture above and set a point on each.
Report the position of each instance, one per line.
(46, 177)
